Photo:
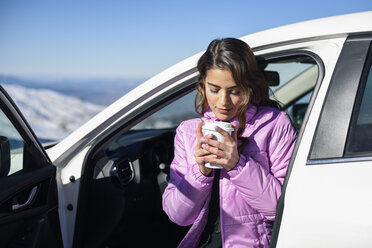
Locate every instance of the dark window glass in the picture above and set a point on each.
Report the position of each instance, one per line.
(10, 135)
(360, 134)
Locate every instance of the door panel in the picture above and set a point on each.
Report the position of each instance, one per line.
(28, 191)
(28, 209)
(327, 198)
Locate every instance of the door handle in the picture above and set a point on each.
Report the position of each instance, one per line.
(30, 197)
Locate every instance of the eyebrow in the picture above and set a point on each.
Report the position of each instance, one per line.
(232, 87)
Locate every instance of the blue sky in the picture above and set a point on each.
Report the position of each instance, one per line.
(135, 39)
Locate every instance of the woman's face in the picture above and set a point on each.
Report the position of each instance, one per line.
(223, 94)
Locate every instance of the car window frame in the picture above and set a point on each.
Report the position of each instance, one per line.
(320, 151)
(321, 72)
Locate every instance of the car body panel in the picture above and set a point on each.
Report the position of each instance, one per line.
(343, 217)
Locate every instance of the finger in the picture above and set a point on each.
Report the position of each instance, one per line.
(215, 160)
(225, 134)
(214, 143)
(214, 150)
(210, 156)
(234, 134)
(199, 132)
(200, 160)
(201, 153)
(208, 136)
(222, 132)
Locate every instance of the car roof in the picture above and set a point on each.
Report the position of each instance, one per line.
(324, 27)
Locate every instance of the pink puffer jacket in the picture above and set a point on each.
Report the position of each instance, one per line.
(248, 193)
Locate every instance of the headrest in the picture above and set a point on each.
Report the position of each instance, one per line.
(272, 78)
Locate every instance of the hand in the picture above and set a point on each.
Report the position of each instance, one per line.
(225, 154)
(200, 153)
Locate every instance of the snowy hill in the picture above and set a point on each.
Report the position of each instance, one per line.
(102, 91)
(51, 115)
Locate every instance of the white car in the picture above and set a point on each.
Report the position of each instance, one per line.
(101, 186)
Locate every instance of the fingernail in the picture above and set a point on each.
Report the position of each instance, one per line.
(204, 146)
(202, 139)
(215, 156)
(217, 128)
(210, 135)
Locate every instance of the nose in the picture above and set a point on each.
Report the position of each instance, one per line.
(224, 99)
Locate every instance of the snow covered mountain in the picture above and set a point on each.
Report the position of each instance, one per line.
(51, 115)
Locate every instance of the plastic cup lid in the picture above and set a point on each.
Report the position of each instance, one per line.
(223, 125)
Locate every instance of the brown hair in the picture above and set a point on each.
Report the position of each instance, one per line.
(236, 56)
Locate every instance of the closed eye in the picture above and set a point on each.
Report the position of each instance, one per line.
(213, 91)
(235, 92)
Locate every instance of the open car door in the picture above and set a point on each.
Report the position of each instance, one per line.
(28, 191)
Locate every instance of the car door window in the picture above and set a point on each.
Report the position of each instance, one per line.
(171, 115)
(291, 80)
(296, 79)
(359, 141)
(10, 135)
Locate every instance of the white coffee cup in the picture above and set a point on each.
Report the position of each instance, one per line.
(209, 127)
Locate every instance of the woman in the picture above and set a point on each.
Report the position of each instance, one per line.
(234, 206)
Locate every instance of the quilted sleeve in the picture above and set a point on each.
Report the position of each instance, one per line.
(188, 188)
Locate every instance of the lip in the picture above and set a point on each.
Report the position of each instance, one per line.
(224, 111)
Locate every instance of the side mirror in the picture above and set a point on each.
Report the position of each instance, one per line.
(298, 113)
(4, 156)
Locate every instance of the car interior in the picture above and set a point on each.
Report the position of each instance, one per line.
(124, 177)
